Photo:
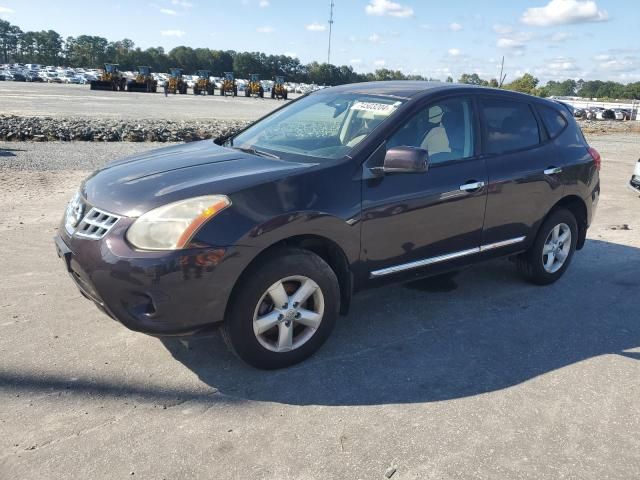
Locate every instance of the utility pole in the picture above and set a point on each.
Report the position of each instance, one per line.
(331, 4)
(501, 79)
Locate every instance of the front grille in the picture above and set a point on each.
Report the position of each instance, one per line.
(96, 224)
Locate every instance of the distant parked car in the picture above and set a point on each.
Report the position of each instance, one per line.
(579, 113)
(622, 114)
(634, 183)
(2, 77)
(32, 77)
(19, 77)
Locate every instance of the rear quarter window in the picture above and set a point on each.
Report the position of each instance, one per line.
(508, 125)
(553, 120)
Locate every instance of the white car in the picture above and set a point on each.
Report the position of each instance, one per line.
(634, 183)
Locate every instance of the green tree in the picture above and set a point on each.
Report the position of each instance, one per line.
(9, 41)
(472, 79)
(525, 84)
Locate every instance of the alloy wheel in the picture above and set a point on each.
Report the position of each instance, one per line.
(556, 248)
(288, 314)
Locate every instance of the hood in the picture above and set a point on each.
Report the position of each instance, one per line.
(137, 184)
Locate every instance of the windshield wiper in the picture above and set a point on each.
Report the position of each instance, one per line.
(254, 151)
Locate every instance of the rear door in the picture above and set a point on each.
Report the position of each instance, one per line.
(524, 174)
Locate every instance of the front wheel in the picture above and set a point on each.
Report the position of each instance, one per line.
(552, 251)
(284, 310)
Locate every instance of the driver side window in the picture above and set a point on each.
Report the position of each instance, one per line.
(444, 129)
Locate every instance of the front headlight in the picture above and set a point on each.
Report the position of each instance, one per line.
(172, 226)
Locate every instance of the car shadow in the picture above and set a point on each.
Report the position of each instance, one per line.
(9, 152)
(484, 330)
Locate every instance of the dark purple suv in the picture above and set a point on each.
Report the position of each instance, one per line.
(272, 231)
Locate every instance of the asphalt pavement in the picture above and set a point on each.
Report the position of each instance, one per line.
(475, 376)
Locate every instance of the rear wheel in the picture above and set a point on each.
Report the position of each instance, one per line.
(552, 251)
(284, 310)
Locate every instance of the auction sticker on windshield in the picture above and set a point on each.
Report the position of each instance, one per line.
(381, 108)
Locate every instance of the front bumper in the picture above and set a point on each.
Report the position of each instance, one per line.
(161, 293)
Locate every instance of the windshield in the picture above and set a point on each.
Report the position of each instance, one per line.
(320, 126)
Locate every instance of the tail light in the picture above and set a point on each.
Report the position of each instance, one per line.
(597, 159)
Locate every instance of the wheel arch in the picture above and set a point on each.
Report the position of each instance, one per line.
(325, 248)
(578, 208)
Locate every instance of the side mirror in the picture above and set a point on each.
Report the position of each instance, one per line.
(406, 160)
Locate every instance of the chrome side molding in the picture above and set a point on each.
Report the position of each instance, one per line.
(444, 258)
(504, 243)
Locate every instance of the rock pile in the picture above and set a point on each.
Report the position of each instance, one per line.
(18, 128)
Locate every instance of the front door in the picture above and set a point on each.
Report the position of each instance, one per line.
(413, 221)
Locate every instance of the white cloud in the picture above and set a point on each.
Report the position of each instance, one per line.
(316, 27)
(558, 12)
(515, 40)
(168, 11)
(509, 43)
(182, 3)
(265, 29)
(455, 27)
(454, 52)
(379, 63)
(263, 3)
(560, 37)
(386, 7)
(375, 38)
(503, 29)
(6, 10)
(561, 64)
(290, 54)
(173, 33)
(355, 61)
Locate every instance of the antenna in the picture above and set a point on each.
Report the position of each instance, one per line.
(331, 5)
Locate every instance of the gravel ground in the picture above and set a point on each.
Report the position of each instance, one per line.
(44, 157)
(41, 129)
(481, 376)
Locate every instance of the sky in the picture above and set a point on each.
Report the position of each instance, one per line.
(551, 39)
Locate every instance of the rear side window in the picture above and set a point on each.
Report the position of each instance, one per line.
(508, 125)
(552, 119)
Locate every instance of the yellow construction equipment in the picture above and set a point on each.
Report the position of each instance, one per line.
(110, 79)
(229, 86)
(279, 90)
(254, 87)
(143, 82)
(203, 85)
(176, 83)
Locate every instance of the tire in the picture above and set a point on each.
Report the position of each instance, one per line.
(247, 93)
(532, 263)
(290, 268)
(261, 92)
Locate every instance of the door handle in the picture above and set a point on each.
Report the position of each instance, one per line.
(552, 170)
(468, 187)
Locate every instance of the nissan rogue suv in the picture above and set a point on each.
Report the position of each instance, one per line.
(272, 231)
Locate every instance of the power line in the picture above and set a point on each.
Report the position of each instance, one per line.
(331, 5)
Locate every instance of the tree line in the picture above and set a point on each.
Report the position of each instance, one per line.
(566, 88)
(47, 47)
